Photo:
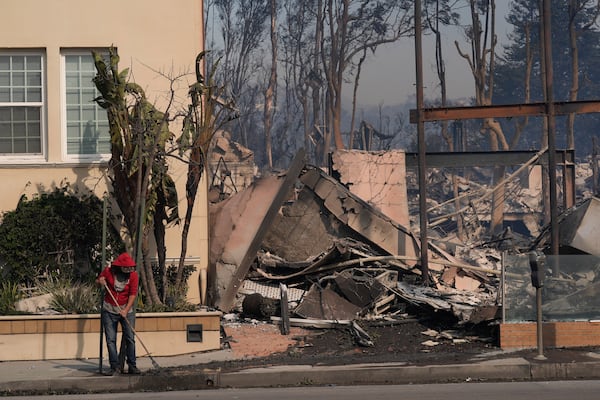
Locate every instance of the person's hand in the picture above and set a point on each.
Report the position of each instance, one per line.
(102, 281)
(123, 313)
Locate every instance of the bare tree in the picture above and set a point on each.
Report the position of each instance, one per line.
(348, 28)
(271, 92)
(141, 185)
(243, 28)
(481, 34)
(207, 112)
(443, 15)
(576, 27)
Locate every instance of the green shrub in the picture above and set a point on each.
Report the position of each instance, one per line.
(55, 234)
(70, 298)
(9, 296)
(175, 296)
(82, 298)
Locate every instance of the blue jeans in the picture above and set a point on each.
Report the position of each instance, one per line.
(110, 322)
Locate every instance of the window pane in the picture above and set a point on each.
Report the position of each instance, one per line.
(86, 121)
(88, 114)
(18, 78)
(4, 78)
(4, 63)
(72, 80)
(73, 97)
(88, 96)
(34, 63)
(6, 146)
(18, 95)
(34, 79)
(34, 129)
(71, 63)
(18, 63)
(20, 145)
(86, 80)
(20, 130)
(34, 95)
(34, 146)
(4, 95)
(18, 113)
(5, 130)
(73, 113)
(33, 114)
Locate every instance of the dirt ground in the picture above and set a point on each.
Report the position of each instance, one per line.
(412, 341)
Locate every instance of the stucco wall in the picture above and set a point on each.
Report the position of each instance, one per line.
(52, 337)
(154, 38)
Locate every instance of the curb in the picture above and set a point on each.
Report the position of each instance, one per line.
(372, 374)
(515, 369)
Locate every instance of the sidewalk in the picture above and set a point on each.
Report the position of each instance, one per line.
(82, 376)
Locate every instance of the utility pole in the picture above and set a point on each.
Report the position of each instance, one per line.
(421, 144)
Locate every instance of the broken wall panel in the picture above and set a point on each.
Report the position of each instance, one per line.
(231, 165)
(367, 221)
(237, 228)
(324, 303)
(580, 229)
(302, 231)
(379, 178)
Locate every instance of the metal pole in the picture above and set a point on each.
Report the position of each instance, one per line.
(104, 224)
(421, 144)
(540, 336)
(547, 30)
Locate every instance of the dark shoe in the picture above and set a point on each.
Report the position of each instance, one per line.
(134, 371)
(112, 372)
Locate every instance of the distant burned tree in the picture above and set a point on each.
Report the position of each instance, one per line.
(520, 74)
(243, 28)
(347, 29)
(271, 90)
(481, 35)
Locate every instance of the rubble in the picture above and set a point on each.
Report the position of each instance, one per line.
(306, 238)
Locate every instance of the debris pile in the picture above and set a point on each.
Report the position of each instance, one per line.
(303, 248)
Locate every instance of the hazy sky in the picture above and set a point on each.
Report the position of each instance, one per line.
(388, 78)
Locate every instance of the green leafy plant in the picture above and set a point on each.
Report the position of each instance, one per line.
(70, 298)
(9, 296)
(174, 295)
(52, 234)
(81, 298)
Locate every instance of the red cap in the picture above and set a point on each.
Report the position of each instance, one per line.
(124, 260)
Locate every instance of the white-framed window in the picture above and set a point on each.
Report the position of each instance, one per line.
(21, 105)
(86, 131)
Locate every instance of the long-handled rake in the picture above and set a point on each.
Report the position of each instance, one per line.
(154, 363)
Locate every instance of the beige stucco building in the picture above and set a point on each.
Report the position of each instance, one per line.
(51, 132)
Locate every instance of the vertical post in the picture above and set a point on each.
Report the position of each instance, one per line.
(594, 166)
(104, 225)
(503, 286)
(547, 30)
(539, 325)
(537, 263)
(421, 144)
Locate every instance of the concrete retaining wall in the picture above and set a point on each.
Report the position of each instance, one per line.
(43, 337)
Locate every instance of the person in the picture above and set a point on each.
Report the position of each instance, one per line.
(120, 282)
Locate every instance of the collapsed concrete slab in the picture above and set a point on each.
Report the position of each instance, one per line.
(353, 212)
(379, 178)
(579, 228)
(238, 226)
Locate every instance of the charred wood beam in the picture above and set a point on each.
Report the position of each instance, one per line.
(504, 111)
(488, 158)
